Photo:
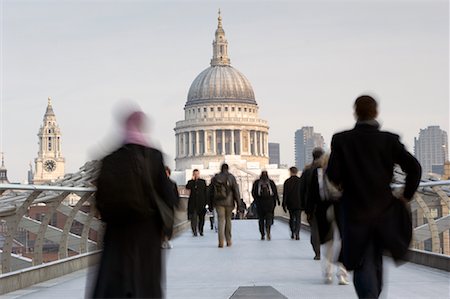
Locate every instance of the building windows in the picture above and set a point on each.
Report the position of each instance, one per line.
(219, 109)
(204, 109)
(239, 109)
(245, 109)
(232, 109)
(212, 109)
(198, 110)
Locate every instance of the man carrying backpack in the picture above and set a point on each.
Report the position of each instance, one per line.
(265, 193)
(224, 197)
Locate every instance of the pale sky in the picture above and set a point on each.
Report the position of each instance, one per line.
(306, 60)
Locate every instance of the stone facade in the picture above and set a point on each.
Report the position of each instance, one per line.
(221, 116)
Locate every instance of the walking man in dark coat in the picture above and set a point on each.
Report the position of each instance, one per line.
(292, 202)
(265, 193)
(197, 202)
(362, 162)
(311, 196)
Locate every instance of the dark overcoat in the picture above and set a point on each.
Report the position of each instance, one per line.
(131, 263)
(314, 205)
(197, 197)
(362, 162)
(291, 193)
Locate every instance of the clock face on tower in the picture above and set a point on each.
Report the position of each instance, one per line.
(49, 165)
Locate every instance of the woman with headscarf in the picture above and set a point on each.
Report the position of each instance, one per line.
(264, 192)
(130, 179)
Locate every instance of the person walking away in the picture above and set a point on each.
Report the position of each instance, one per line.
(311, 196)
(197, 202)
(373, 220)
(131, 185)
(224, 197)
(264, 192)
(168, 235)
(321, 205)
(292, 202)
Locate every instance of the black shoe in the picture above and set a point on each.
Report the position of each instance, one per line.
(201, 234)
(297, 237)
(292, 236)
(262, 238)
(195, 234)
(317, 258)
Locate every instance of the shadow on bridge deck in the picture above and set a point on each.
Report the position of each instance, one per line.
(196, 268)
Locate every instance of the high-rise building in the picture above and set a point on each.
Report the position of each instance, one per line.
(305, 141)
(49, 164)
(431, 148)
(274, 153)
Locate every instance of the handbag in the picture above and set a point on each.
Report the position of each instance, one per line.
(165, 211)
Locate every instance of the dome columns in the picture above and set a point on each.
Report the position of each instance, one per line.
(219, 142)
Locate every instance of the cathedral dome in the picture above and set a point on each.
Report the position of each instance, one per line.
(221, 83)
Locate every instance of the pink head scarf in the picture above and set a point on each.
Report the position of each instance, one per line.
(134, 127)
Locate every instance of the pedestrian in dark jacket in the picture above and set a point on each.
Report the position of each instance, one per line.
(121, 274)
(310, 192)
(292, 202)
(362, 162)
(321, 213)
(265, 194)
(168, 235)
(197, 202)
(224, 197)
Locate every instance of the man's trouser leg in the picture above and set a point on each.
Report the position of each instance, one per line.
(315, 239)
(292, 223)
(201, 221)
(211, 221)
(261, 220)
(297, 223)
(268, 224)
(194, 220)
(228, 211)
(368, 277)
(221, 219)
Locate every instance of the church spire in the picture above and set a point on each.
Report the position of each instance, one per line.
(3, 172)
(220, 45)
(49, 111)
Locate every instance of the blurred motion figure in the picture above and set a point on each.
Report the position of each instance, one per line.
(130, 188)
(361, 163)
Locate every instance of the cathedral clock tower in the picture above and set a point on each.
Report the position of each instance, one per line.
(49, 164)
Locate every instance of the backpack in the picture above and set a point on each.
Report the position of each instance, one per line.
(221, 189)
(327, 190)
(265, 191)
(120, 192)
